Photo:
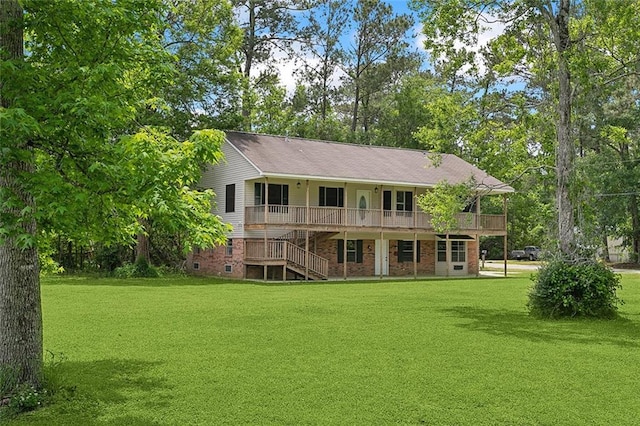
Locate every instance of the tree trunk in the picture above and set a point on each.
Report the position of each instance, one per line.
(605, 247)
(20, 310)
(142, 243)
(565, 152)
(356, 103)
(249, 47)
(635, 229)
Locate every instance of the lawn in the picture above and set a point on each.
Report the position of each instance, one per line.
(439, 352)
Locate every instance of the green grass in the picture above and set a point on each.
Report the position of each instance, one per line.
(439, 352)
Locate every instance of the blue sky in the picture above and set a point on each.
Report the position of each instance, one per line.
(399, 7)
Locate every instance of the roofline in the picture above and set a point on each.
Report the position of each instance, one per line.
(242, 155)
(504, 188)
(302, 139)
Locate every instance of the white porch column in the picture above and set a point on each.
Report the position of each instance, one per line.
(306, 240)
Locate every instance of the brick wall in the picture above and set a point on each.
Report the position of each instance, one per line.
(426, 265)
(213, 261)
(329, 250)
(473, 255)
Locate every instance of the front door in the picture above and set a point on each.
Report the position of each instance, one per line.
(364, 204)
(382, 257)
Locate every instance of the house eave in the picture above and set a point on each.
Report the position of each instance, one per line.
(485, 189)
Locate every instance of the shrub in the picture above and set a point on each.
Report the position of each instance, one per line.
(140, 269)
(26, 398)
(571, 289)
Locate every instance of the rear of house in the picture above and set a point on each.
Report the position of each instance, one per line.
(307, 209)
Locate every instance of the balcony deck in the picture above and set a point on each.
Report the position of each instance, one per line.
(338, 218)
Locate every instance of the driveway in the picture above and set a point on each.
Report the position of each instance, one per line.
(533, 266)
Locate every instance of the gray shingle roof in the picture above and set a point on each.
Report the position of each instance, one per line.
(313, 159)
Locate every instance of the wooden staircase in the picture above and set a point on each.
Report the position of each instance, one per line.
(289, 255)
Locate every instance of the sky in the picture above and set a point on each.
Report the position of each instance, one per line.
(288, 67)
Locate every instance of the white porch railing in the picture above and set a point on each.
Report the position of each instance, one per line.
(349, 217)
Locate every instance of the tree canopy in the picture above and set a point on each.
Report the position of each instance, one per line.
(77, 158)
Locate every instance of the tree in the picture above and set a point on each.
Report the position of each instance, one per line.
(378, 53)
(20, 313)
(538, 47)
(269, 28)
(327, 23)
(446, 201)
(205, 89)
(73, 155)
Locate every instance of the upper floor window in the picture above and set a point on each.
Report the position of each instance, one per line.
(386, 200)
(331, 197)
(230, 199)
(278, 194)
(404, 201)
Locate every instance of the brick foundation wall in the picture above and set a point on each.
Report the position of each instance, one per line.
(213, 261)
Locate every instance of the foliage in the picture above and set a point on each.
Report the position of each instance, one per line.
(574, 289)
(48, 266)
(523, 64)
(75, 159)
(16, 398)
(378, 54)
(445, 202)
(204, 38)
(139, 269)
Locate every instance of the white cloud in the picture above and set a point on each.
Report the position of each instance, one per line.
(287, 68)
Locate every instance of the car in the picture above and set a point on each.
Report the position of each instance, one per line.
(528, 253)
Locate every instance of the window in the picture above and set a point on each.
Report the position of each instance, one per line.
(405, 251)
(404, 201)
(458, 251)
(227, 269)
(196, 266)
(278, 194)
(354, 251)
(331, 197)
(229, 248)
(230, 199)
(442, 251)
(386, 202)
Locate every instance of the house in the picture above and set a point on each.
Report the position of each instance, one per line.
(309, 209)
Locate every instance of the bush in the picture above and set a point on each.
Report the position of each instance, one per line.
(574, 289)
(140, 269)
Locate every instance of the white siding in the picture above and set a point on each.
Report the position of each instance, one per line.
(235, 169)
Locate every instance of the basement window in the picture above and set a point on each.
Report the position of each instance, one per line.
(196, 266)
(227, 269)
